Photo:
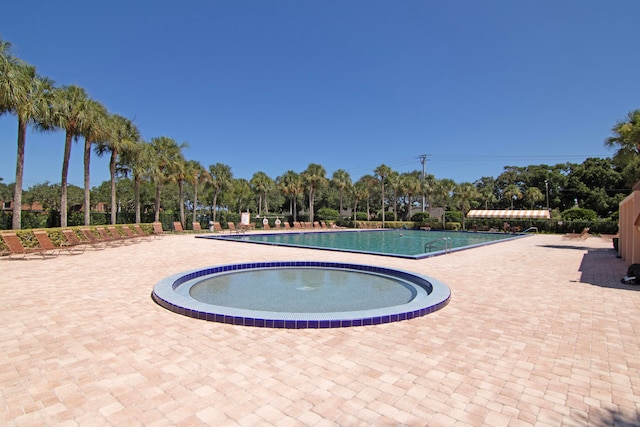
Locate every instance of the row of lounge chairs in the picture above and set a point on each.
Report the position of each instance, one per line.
(73, 244)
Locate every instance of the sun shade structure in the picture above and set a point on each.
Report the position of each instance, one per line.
(521, 214)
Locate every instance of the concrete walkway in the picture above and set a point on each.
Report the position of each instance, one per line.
(539, 331)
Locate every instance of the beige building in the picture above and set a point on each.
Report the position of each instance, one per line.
(629, 227)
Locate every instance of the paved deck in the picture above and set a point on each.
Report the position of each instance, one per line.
(539, 331)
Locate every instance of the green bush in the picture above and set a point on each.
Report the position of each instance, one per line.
(328, 214)
(579, 214)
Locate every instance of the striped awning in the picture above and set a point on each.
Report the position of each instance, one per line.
(494, 213)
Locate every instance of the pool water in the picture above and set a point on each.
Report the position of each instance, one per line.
(400, 243)
(303, 289)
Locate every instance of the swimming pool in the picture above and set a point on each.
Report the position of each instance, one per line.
(413, 244)
(301, 294)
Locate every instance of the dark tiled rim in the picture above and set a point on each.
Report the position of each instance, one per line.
(242, 238)
(165, 295)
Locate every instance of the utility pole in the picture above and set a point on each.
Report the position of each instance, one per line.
(423, 159)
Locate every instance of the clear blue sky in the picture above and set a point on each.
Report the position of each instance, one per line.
(276, 85)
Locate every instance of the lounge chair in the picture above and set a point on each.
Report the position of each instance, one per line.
(17, 250)
(197, 228)
(46, 243)
(117, 236)
(178, 228)
(584, 235)
(286, 225)
(133, 237)
(94, 240)
(157, 229)
(140, 232)
(232, 227)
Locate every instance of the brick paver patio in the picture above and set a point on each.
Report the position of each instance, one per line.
(539, 331)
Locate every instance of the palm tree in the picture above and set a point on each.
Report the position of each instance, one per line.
(486, 186)
(28, 96)
(179, 175)
(166, 154)
(512, 192)
(138, 162)
(411, 187)
(626, 134)
(382, 171)
(292, 186)
(341, 180)
(465, 194)
(262, 184)
(241, 194)
(221, 180)
(71, 113)
(196, 174)
(96, 131)
(359, 192)
(533, 195)
(396, 183)
(444, 191)
(123, 138)
(314, 178)
(369, 183)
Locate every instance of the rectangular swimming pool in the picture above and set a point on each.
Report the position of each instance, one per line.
(414, 244)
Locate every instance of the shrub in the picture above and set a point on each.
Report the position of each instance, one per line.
(328, 214)
(579, 214)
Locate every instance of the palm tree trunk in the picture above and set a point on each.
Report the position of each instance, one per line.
(112, 172)
(181, 198)
(195, 202)
(87, 182)
(17, 192)
(213, 206)
(63, 182)
(157, 214)
(311, 195)
(136, 196)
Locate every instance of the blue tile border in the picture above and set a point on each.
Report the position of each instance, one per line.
(169, 294)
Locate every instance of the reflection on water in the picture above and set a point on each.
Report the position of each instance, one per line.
(303, 289)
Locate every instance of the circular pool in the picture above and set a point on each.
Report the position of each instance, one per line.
(301, 294)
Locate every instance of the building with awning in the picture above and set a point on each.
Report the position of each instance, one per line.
(506, 213)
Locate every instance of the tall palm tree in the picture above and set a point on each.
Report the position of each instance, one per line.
(240, 194)
(315, 178)
(292, 186)
(486, 186)
(512, 192)
(412, 188)
(369, 184)
(262, 184)
(123, 137)
(382, 171)
(179, 175)
(341, 180)
(70, 113)
(27, 95)
(533, 195)
(359, 192)
(465, 194)
(444, 191)
(196, 175)
(166, 154)
(96, 131)
(138, 162)
(221, 180)
(396, 183)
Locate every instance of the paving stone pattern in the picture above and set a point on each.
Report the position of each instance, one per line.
(539, 331)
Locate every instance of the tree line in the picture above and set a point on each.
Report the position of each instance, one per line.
(140, 171)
